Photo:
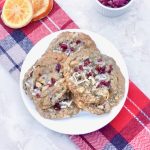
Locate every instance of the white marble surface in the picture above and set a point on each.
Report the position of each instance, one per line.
(131, 35)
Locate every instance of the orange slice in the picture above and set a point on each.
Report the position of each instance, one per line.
(17, 13)
(41, 8)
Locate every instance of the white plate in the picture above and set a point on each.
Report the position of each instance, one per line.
(83, 122)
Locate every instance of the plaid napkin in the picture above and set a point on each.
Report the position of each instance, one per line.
(129, 130)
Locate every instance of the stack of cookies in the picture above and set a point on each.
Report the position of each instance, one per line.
(73, 76)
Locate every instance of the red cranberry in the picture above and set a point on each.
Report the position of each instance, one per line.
(100, 70)
(63, 46)
(57, 107)
(40, 74)
(104, 2)
(76, 69)
(71, 49)
(89, 74)
(104, 83)
(119, 3)
(58, 67)
(78, 41)
(110, 69)
(38, 95)
(86, 62)
(81, 67)
(97, 68)
(110, 3)
(53, 81)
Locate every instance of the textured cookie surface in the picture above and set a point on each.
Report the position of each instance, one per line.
(73, 75)
(95, 80)
(72, 42)
(44, 83)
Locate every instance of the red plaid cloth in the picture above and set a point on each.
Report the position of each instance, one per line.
(129, 130)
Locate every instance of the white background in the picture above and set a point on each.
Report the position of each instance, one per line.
(131, 35)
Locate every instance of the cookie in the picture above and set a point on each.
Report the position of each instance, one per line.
(44, 83)
(62, 109)
(72, 42)
(94, 80)
(73, 75)
(99, 109)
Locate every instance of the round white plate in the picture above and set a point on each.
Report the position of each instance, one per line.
(83, 122)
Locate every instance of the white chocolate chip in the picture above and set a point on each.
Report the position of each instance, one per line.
(80, 89)
(38, 84)
(101, 77)
(92, 80)
(36, 91)
(100, 107)
(77, 76)
(65, 104)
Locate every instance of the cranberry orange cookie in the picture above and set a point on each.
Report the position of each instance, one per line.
(95, 80)
(71, 42)
(45, 85)
(63, 109)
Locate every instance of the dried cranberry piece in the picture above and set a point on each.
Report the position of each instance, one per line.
(114, 3)
(40, 74)
(63, 46)
(76, 69)
(119, 3)
(58, 67)
(89, 74)
(52, 82)
(103, 83)
(101, 70)
(110, 69)
(71, 49)
(110, 3)
(97, 68)
(78, 41)
(57, 107)
(87, 62)
(38, 95)
(104, 2)
(81, 67)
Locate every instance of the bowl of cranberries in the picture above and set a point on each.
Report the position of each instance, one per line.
(114, 8)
